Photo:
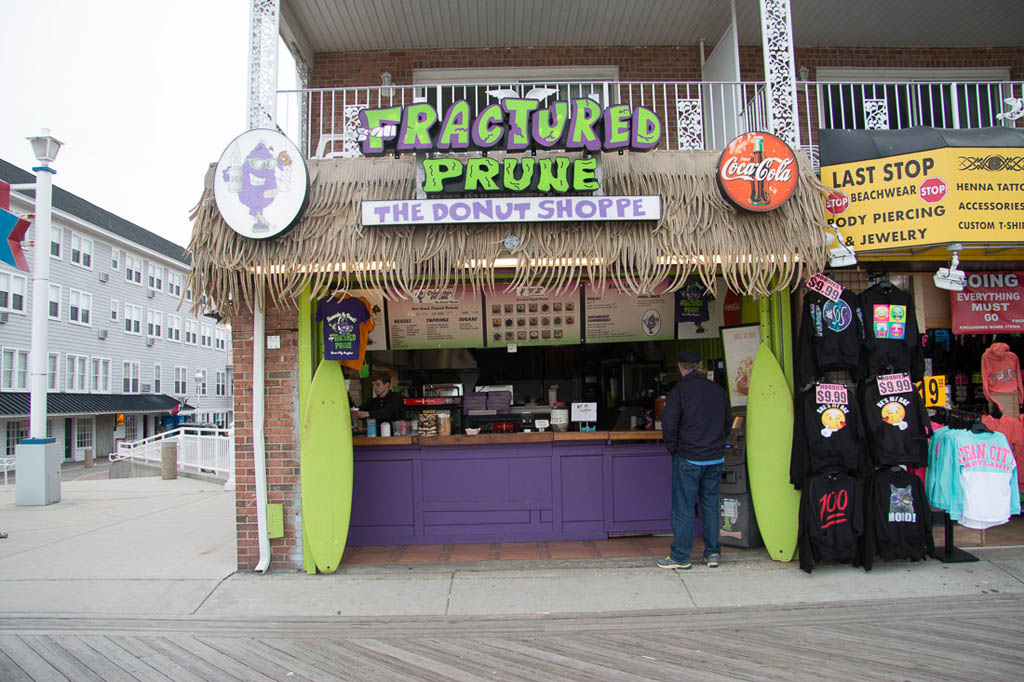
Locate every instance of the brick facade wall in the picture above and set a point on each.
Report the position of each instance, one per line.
(281, 430)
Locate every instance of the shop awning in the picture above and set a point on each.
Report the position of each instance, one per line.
(699, 234)
(57, 404)
(849, 146)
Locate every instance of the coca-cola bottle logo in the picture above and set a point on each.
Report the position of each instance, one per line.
(757, 172)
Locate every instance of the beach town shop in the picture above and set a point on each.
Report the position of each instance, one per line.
(529, 276)
(940, 213)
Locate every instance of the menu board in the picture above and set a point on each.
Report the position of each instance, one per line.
(436, 318)
(619, 315)
(377, 340)
(533, 316)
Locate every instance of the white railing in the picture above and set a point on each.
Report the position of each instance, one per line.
(200, 450)
(694, 114)
(892, 106)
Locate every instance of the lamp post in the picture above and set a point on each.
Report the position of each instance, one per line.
(38, 462)
(197, 376)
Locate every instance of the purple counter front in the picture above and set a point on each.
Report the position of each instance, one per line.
(509, 488)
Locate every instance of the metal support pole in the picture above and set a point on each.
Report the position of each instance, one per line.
(40, 296)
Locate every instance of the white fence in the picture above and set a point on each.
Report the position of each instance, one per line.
(200, 450)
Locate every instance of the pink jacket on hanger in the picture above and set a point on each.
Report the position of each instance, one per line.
(1000, 372)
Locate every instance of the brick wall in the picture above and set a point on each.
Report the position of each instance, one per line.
(281, 430)
(641, 63)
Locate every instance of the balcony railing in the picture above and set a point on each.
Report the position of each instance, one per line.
(694, 115)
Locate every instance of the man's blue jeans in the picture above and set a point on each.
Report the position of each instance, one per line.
(692, 483)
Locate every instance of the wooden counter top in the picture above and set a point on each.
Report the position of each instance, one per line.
(504, 438)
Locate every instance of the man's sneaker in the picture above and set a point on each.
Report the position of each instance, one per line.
(713, 560)
(669, 562)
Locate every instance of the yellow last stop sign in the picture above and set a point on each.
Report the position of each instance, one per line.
(932, 390)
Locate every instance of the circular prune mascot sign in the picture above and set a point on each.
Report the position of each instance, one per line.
(261, 184)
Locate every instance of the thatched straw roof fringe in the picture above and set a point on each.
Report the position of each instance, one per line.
(700, 234)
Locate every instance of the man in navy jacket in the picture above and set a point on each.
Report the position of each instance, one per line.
(695, 424)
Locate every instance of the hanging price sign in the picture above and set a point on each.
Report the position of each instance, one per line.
(932, 391)
(825, 286)
(890, 384)
(831, 394)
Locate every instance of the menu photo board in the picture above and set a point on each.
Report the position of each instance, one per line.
(614, 314)
(436, 318)
(377, 340)
(533, 316)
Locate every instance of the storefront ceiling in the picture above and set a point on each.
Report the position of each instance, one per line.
(346, 25)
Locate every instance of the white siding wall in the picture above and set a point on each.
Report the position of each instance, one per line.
(104, 285)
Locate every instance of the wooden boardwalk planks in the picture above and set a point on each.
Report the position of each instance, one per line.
(931, 639)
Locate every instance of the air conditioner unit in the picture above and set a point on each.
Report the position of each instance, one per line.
(3, 318)
(146, 388)
(149, 342)
(104, 277)
(151, 293)
(101, 334)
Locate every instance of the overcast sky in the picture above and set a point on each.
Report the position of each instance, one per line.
(143, 94)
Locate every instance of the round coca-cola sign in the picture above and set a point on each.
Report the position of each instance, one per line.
(757, 172)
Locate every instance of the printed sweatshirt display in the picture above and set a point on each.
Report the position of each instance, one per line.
(1000, 372)
(830, 335)
(973, 476)
(827, 435)
(1012, 428)
(897, 518)
(347, 324)
(897, 426)
(831, 519)
(891, 339)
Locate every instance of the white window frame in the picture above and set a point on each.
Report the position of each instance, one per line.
(158, 378)
(84, 297)
(153, 277)
(206, 336)
(116, 258)
(99, 382)
(50, 302)
(10, 283)
(220, 338)
(14, 369)
(201, 382)
(180, 380)
(173, 328)
(175, 280)
(192, 332)
(133, 266)
(130, 377)
(57, 239)
(76, 380)
(86, 247)
(154, 330)
(87, 443)
(132, 319)
(115, 313)
(222, 384)
(53, 371)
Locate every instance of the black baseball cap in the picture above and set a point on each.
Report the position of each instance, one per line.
(689, 357)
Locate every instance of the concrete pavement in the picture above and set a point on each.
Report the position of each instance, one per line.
(148, 547)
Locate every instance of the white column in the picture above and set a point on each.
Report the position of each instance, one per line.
(264, 24)
(40, 302)
(779, 69)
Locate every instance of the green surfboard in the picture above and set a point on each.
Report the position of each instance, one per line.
(326, 466)
(769, 442)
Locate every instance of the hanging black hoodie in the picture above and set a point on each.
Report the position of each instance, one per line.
(897, 518)
(892, 341)
(830, 335)
(831, 519)
(897, 426)
(827, 435)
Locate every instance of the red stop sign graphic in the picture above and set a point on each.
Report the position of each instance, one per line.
(932, 190)
(836, 203)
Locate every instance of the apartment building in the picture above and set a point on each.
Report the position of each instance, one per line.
(124, 349)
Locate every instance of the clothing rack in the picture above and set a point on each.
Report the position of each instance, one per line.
(949, 553)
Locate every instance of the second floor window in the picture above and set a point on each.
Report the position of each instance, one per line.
(191, 332)
(52, 380)
(157, 379)
(76, 371)
(54, 309)
(100, 381)
(133, 269)
(206, 336)
(130, 377)
(155, 280)
(173, 327)
(180, 382)
(81, 250)
(175, 281)
(14, 372)
(56, 241)
(201, 381)
(154, 323)
(12, 292)
(222, 383)
(80, 307)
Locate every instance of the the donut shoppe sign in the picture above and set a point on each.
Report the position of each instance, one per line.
(513, 125)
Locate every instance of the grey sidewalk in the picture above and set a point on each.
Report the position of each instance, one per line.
(147, 547)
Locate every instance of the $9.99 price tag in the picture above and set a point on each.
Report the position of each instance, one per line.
(831, 394)
(825, 286)
(889, 384)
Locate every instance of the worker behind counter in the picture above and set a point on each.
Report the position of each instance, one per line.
(386, 405)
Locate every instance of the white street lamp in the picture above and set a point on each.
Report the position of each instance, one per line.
(38, 462)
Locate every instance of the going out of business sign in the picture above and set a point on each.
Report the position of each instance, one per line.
(951, 194)
(513, 125)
